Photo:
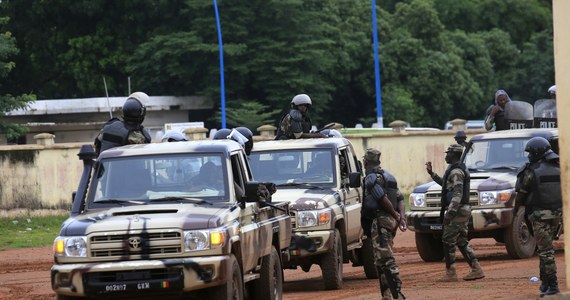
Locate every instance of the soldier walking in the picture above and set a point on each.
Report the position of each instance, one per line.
(455, 214)
(382, 214)
(538, 189)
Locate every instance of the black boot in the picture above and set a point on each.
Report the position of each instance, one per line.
(543, 285)
(552, 286)
(384, 289)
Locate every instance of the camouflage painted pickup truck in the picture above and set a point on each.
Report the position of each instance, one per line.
(493, 160)
(321, 179)
(171, 219)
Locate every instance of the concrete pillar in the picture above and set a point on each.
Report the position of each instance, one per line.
(267, 131)
(44, 139)
(458, 124)
(195, 134)
(561, 23)
(398, 126)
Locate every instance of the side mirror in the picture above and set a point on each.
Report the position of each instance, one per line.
(354, 180)
(258, 191)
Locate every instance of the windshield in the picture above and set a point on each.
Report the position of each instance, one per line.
(146, 179)
(496, 154)
(282, 167)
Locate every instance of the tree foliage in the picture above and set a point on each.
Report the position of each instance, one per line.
(439, 59)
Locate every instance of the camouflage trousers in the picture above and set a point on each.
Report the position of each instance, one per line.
(544, 225)
(382, 241)
(455, 234)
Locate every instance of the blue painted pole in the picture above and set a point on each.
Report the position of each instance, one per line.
(221, 49)
(379, 118)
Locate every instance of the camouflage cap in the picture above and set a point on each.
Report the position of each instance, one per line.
(455, 148)
(372, 155)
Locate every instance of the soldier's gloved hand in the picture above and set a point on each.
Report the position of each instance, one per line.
(447, 219)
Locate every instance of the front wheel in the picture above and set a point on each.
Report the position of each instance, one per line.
(270, 284)
(429, 247)
(331, 264)
(518, 241)
(233, 288)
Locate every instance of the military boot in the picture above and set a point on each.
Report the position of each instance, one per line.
(552, 286)
(450, 275)
(476, 271)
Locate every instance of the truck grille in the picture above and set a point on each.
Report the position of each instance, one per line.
(150, 243)
(434, 199)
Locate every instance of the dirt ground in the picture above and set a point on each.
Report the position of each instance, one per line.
(24, 274)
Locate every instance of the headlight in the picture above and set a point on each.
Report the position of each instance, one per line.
(203, 240)
(418, 199)
(73, 246)
(313, 217)
(494, 197)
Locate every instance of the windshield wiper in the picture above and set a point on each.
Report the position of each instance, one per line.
(303, 184)
(119, 201)
(505, 167)
(182, 199)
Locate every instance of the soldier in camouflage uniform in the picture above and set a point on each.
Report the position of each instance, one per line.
(128, 131)
(538, 189)
(384, 205)
(455, 214)
(296, 124)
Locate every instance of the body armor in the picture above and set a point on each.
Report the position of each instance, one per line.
(116, 133)
(546, 189)
(446, 194)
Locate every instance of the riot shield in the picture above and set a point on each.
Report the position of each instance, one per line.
(545, 113)
(518, 114)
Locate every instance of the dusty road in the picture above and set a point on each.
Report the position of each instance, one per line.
(24, 274)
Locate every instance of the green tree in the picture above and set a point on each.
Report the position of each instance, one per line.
(9, 102)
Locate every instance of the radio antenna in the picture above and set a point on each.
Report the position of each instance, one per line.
(107, 94)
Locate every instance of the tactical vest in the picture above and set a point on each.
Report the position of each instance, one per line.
(546, 189)
(500, 121)
(447, 195)
(117, 133)
(298, 122)
(389, 187)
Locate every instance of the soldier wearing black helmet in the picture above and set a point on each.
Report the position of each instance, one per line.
(461, 138)
(455, 214)
(129, 130)
(539, 191)
(296, 124)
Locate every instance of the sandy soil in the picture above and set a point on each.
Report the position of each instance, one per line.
(24, 274)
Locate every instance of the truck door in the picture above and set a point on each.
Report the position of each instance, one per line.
(353, 197)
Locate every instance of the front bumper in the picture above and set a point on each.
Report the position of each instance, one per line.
(481, 220)
(166, 276)
(309, 243)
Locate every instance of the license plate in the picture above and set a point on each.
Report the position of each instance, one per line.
(435, 227)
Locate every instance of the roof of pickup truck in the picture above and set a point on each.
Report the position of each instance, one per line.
(517, 133)
(225, 146)
(301, 144)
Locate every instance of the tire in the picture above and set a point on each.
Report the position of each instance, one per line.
(270, 285)
(233, 289)
(518, 241)
(331, 264)
(62, 297)
(429, 247)
(368, 261)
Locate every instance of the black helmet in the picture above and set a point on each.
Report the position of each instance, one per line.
(249, 136)
(134, 109)
(537, 148)
(222, 134)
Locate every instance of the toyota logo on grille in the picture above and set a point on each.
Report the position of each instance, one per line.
(135, 243)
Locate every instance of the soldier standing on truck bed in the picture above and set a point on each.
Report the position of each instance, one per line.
(455, 214)
(538, 189)
(383, 204)
(117, 132)
(296, 124)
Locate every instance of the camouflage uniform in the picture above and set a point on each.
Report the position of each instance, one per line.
(293, 125)
(455, 185)
(383, 228)
(545, 223)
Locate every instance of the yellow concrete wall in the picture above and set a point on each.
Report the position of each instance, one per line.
(561, 22)
(38, 176)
